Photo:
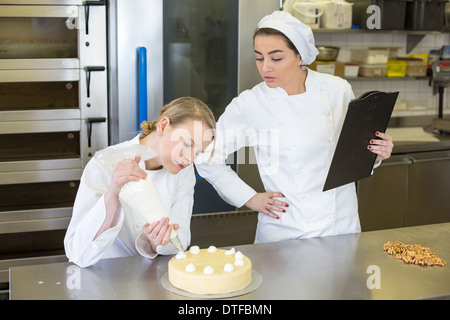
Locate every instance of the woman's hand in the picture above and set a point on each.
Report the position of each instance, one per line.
(158, 232)
(125, 171)
(382, 147)
(265, 203)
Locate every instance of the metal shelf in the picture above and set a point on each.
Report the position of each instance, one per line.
(415, 32)
(413, 37)
(385, 78)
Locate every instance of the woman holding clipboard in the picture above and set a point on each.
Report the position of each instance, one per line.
(292, 120)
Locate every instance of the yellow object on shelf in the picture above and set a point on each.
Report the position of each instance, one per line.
(396, 68)
(423, 56)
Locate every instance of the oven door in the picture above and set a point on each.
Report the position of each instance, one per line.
(44, 100)
(54, 32)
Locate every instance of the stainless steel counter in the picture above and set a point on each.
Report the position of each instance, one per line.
(442, 143)
(350, 266)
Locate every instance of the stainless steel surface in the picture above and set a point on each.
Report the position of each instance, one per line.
(56, 164)
(35, 220)
(442, 124)
(215, 228)
(40, 64)
(37, 11)
(428, 188)
(39, 126)
(19, 177)
(42, 2)
(327, 53)
(413, 188)
(55, 114)
(250, 13)
(39, 75)
(389, 182)
(15, 261)
(130, 28)
(338, 267)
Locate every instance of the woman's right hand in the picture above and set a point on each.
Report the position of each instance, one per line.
(125, 171)
(265, 203)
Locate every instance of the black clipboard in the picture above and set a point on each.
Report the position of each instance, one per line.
(352, 160)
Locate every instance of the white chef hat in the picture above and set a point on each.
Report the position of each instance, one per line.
(299, 33)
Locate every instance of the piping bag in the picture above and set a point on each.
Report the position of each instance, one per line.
(141, 195)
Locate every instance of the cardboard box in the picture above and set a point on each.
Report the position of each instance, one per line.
(335, 68)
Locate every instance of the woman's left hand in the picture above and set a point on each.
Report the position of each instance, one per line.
(382, 147)
(158, 232)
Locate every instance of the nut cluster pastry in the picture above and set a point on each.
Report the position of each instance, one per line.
(415, 254)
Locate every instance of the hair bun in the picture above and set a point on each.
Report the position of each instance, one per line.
(148, 127)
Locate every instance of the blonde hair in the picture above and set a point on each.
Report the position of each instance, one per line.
(180, 110)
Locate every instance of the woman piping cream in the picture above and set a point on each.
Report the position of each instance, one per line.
(102, 228)
(292, 120)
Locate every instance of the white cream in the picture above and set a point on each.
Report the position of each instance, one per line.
(190, 268)
(229, 252)
(228, 267)
(208, 270)
(212, 249)
(239, 256)
(238, 263)
(194, 249)
(180, 255)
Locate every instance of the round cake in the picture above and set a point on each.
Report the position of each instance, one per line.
(210, 271)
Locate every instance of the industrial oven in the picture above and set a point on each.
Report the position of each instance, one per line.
(53, 117)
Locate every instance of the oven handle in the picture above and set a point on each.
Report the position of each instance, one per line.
(90, 121)
(142, 84)
(88, 77)
(87, 6)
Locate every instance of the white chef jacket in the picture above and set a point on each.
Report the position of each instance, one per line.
(294, 138)
(126, 238)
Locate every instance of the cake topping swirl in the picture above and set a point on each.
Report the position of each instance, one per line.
(228, 267)
(212, 249)
(208, 270)
(239, 256)
(190, 268)
(229, 252)
(194, 249)
(180, 255)
(238, 263)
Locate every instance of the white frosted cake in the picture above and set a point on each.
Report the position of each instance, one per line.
(210, 271)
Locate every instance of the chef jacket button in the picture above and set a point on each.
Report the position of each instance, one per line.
(322, 88)
(298, 171)
(327, 113)
(138, 226)
(302, 196)
(330, 139)
(288, 148)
